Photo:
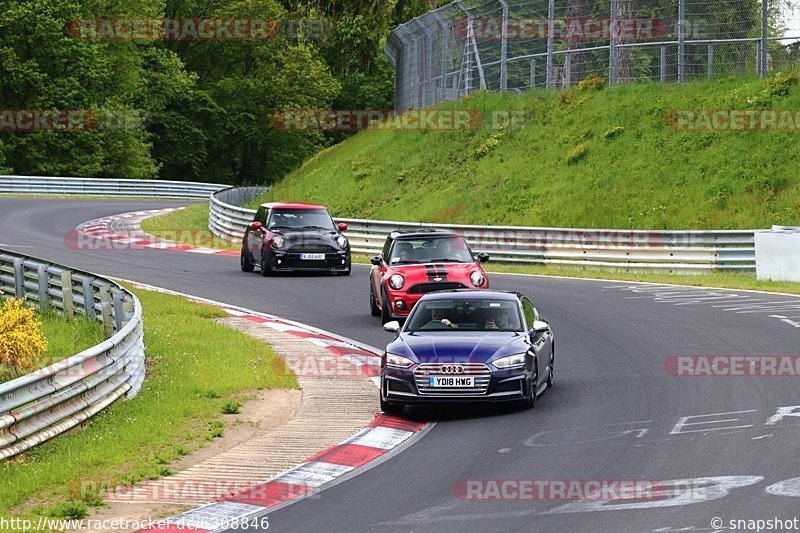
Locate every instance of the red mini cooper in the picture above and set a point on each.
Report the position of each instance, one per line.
(417, 261)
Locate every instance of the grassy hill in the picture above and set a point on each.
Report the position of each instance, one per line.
(583, 158)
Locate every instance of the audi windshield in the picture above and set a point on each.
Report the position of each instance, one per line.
(465, 315)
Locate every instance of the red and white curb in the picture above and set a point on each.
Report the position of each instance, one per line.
(384, 433)
(123, 232)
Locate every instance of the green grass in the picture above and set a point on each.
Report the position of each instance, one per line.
(65, 338)
(186, 226)
(192, 361)
(595, 159)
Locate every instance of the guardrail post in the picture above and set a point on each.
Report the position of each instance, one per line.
(66, 293)
(19, 277)
(119, 312)
(44, 286)
(88, 298)
(106, 309)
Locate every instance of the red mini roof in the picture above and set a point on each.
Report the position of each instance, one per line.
(291, 205)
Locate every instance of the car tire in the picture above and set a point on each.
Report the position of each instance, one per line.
(530, 403)
(373, 304)
(266, 265)
(246, 263)
(551, 365)
(392, 408)
(386, 314)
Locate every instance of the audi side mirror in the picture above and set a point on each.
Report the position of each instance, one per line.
(376, 260)
(342, 226)
(392, 327)
(540, 326)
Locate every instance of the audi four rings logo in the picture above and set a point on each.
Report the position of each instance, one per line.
(452, 369)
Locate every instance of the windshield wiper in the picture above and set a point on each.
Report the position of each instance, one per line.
(444, 261)
(317, 227)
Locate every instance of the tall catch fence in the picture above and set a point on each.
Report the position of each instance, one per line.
(504, 45)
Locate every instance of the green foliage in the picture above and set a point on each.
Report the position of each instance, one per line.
(593, 82)
(231, 407)
(71, 509)
(613, 133)
(577, 154)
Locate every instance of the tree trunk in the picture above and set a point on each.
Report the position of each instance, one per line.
(577, 9)
(624, 12)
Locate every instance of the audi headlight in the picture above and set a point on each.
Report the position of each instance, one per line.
(278, 241)
(398, 361)
(397, 281)
(511, 361)
(477, 278)
(341, 240)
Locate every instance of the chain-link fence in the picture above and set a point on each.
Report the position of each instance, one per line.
(470, 45)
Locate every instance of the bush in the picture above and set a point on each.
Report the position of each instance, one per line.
(22, 343)
(577, 154)
(592, 82)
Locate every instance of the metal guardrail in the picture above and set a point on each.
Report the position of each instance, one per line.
(678, 251)
(50, 401)
(107, 187)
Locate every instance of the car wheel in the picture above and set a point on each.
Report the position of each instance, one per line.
(244, 259)
(266, 265)
(373, 304)
(550, 366)
(392, 408)
(386, 314)
(530, 403)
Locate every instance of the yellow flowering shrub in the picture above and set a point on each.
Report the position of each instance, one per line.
(22, 342)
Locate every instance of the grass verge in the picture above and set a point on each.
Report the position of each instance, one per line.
(195, 367)
(187, 227)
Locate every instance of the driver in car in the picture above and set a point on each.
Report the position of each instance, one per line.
(439, 315)
(498, 320)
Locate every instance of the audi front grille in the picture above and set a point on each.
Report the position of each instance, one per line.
(479, 371)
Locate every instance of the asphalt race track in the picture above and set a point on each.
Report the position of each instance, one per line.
(615, 413)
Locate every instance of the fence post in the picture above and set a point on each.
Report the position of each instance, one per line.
(119, 312)
(764, 34)
(66, 293)
(19, 277)
(533, 73)
(710, 60)
(568, 69)
(681, 40)
(88, 298)
(612, 45)
(106, 310)
(551, 14)
(504, 49)
(44, 285)
(663, 64)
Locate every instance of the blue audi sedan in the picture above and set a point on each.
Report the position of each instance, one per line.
(468, 346)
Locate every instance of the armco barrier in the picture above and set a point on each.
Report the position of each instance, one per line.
(678, 251)
(107, 187)
(50, 401)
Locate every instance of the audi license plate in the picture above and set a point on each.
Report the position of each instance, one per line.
(451, 381)
(312, 257)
